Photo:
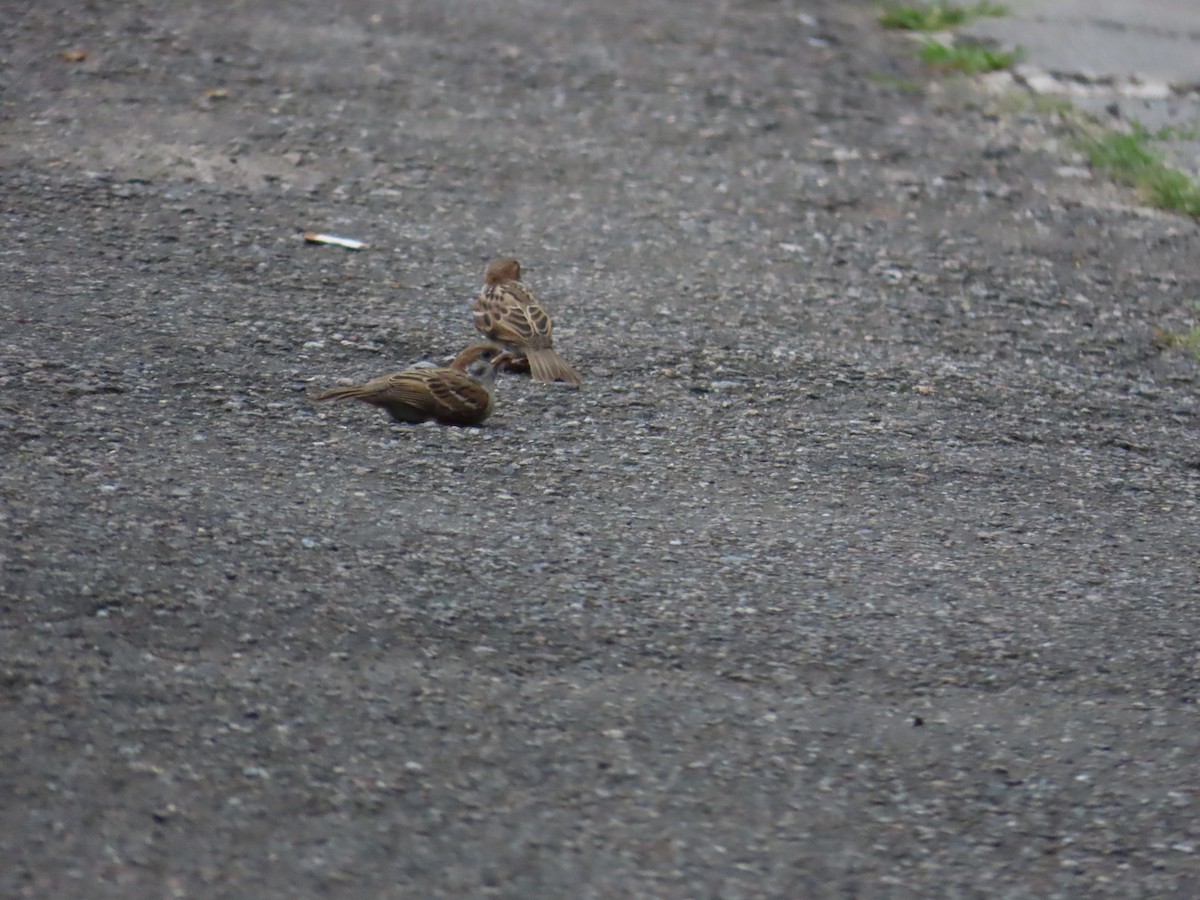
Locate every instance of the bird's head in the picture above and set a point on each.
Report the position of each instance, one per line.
(483, 371)
(489, 353)
(501, 270)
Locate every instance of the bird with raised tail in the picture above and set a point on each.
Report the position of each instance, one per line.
(446, 395)
(508, 313)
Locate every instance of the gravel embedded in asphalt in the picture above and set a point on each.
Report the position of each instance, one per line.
(863, 564)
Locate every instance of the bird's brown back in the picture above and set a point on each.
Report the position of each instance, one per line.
(508, 313)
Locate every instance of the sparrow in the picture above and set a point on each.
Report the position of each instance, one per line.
(508, 313)
(447, 395)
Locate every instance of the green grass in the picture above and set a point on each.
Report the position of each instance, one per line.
(936, 16)
(969, 58)
(1186, 340)
(1129, 157)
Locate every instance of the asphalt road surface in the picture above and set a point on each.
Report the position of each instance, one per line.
(864, 563)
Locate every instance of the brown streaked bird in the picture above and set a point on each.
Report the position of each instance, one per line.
(446, 395)
(504, 361)
(508, 313)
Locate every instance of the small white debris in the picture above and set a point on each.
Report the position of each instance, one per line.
(349, 243)
(1080, 172)
(997, 82)
(1043, 83)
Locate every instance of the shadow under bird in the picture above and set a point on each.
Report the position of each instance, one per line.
(508, 313)
(448, 395)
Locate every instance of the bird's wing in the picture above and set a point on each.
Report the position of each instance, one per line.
(453, 394)
(411, 388)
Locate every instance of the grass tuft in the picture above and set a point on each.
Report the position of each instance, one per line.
(969, 58)
(1185, 340)
(1129, 157)
(936, 16)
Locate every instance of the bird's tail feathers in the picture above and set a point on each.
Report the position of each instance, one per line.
(548, 366)
(349, 392)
